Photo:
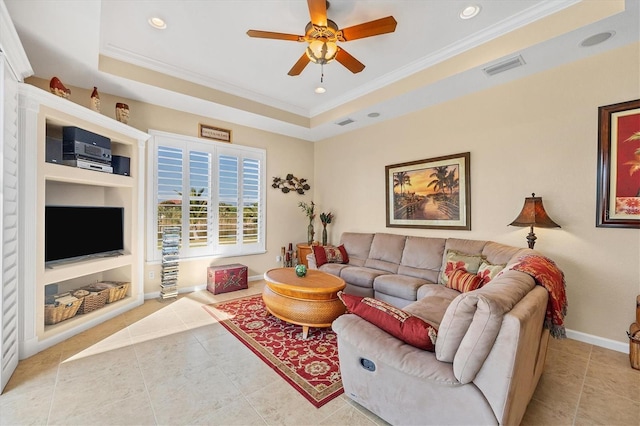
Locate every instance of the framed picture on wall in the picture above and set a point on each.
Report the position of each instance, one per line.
(618, 191)
(215, 133)
(432, 193)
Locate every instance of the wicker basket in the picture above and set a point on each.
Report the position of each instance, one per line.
(117, 289)
(94, 300)
(54, 314)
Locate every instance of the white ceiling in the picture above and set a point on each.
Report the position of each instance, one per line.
(206, 43)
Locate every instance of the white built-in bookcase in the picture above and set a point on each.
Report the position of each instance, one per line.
(43, 114)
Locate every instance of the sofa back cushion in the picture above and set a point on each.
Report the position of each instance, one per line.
(386, 252)
(468, 247)
(357, 246)
(472, 321)
(422, 257)
(501, 254)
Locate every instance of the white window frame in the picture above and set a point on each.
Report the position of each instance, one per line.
(216, 149)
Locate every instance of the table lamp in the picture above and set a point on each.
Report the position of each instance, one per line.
(533, 214)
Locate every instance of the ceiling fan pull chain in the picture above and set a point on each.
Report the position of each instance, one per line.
(321, 73)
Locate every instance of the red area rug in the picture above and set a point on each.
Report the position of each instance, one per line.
(310, 366)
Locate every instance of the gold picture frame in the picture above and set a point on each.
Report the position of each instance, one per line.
(433, 193)
(215, 133)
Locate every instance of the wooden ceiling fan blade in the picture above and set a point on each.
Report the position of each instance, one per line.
(318, 12)
(276, 36)
(351, 63)
(299, 66)
(369, 29)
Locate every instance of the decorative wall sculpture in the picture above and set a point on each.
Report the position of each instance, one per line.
(291, 183)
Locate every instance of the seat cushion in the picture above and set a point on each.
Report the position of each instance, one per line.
(400, 324)
(360, 276)
(400, 286)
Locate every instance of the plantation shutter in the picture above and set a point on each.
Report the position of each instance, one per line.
(250, 200)
(199, 190)
(228, 219)
(9, 205)
(169, 190)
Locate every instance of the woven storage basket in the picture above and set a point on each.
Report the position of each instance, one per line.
(117, 289)
(54, 314)
(95, 300)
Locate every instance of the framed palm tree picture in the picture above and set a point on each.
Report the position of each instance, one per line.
(618, 191)
(432, 193)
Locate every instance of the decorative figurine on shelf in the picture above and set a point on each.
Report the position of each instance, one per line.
(95, 100)
(301, 270)
(309, 210)
(122, 112)
(325, 218)
(57, 88)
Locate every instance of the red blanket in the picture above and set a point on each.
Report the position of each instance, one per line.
(547, 274)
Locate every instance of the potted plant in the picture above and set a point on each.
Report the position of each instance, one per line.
(309, 210)
(325, 218)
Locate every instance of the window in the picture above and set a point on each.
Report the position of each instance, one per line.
(212, 191)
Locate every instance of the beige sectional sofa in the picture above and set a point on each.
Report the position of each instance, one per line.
(491, 343)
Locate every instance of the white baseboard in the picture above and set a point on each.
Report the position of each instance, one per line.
(156, 294)
(614, 345)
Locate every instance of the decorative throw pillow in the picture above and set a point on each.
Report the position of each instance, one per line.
(456, 260)
(400, 324)
(330, 254)
(464, 281)
(488, 271)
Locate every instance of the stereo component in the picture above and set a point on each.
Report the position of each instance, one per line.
(53, 150)
(89, 165)
(121, 165)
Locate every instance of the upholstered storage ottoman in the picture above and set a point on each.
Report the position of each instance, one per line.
(226, 278)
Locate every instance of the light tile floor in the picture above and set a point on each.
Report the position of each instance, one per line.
(170, 363)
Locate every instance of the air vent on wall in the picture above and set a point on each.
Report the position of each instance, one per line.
(505, 65)
(345, 122)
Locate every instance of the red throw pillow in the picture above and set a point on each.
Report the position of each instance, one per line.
(329, 254)
(400, 324)
(464, 281)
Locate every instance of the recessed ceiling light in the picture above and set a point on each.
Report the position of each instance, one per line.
(597, 39)
(470, 11)
(373, 114)
(157, 23)
(320, 90)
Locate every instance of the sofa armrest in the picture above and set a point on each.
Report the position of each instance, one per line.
(311, 261)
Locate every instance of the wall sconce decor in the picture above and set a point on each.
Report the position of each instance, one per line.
(291, 183)
(533, 214)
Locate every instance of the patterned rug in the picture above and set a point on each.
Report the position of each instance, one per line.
(310, 366)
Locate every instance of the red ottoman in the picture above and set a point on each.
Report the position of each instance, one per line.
(226, 278)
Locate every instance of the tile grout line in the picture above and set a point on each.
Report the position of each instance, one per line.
(584, 379)
(144, 380)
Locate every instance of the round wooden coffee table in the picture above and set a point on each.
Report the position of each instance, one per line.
(310, 301)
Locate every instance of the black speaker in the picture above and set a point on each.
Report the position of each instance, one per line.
(53, 150)
(121, 165)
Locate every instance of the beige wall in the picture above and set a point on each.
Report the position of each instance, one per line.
(285, 221)
(538, 134)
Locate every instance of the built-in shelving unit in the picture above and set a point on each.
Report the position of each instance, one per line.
(44, 115)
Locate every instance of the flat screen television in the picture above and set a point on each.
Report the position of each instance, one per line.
(73, 232)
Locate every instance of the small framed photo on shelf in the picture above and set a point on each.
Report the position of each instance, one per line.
(215, 133)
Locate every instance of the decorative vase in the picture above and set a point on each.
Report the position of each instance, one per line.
(324, 235)
(310, 233)
(122, 112)
(301, 270)
(95, 100)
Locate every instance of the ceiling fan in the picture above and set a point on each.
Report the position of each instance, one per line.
(322, 34)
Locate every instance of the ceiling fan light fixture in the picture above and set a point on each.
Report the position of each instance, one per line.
(322, 51)
(157, 23)
(470, 11)
(320, 90)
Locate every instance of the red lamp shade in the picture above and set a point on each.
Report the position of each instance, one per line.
(533, 214)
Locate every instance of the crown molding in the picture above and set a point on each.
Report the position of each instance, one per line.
(11, 46)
